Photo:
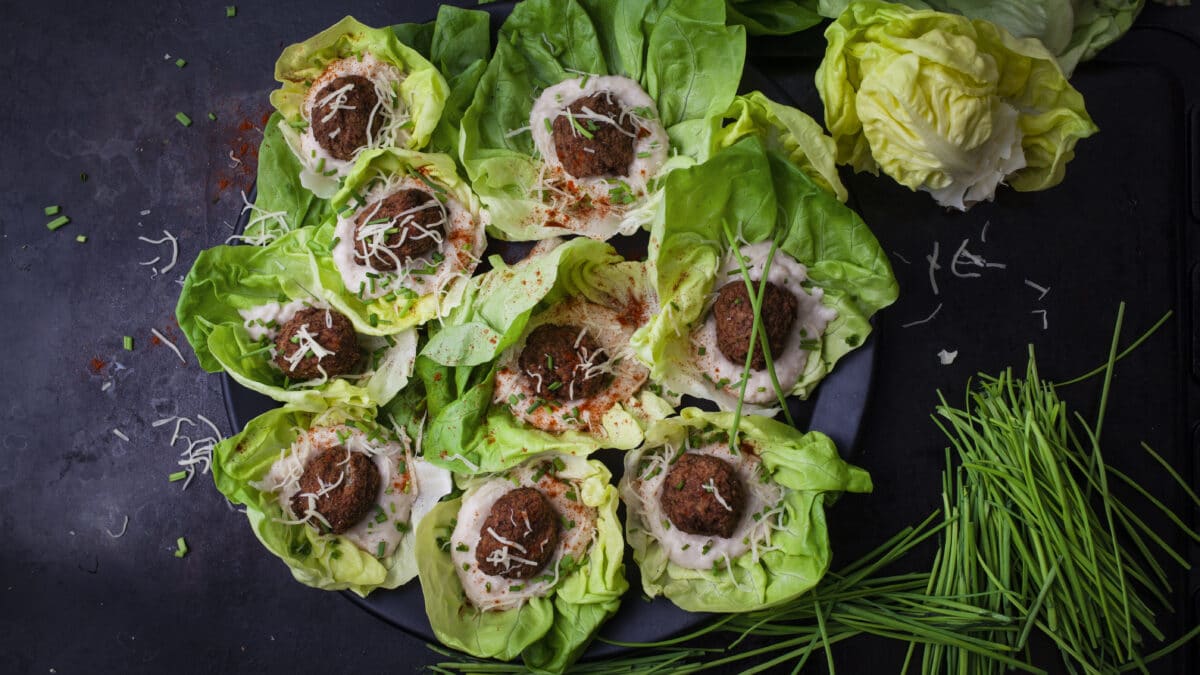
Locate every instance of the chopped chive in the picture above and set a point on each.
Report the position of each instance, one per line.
(177, 476)
(579, 127)
(57, 223)
(83, 177)
(380, 550)
(230, 11)
(373, 320)
(81, 238)
(52, 210)
(549, 127)
(212, 117)
(181, 548)
(643, 155)
(127, 342)
(179, 63)
(183, 119)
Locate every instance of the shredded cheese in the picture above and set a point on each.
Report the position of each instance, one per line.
(118, 535)
(933, 267)
(120, 434)
(1042, 290)
(167, 238)
(168, 343)
(925, 320)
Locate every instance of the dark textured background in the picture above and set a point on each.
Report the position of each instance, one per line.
(88, 90)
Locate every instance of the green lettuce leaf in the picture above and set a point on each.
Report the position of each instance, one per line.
(423, 91)
(785, 130)
(548, 632)
(282, 203)
(403, 309)
(764, 197)
(1073, 30)
(458, 44)
(225, 279)
(318, 560)
(458, 364)
(773, 17)
(812, 474)
(946, 104)
(681, 53)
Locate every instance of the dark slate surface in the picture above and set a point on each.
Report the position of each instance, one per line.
(89, 91)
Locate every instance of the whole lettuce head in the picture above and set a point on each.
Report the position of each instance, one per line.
(946, 104)
(809, 472)
(319, 560)
(1073, 30)
(548, 632)
(747, 194)
(422, 92)
(226, 279)
(681, 54)
(467, 432)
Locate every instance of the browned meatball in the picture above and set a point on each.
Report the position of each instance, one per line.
(735, 318)
(609, 151)
(416, 223)
(524, 523)
(339, 124)
(559, 368)
(693, 492)
(331, 330)
(357, 479)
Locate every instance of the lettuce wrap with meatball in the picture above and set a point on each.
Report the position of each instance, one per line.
(550, 616)
(778, 547)
(494, 399)
(584, 105)
(747, 216)
(268, 461)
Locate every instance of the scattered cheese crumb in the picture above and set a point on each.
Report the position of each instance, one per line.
(925, 320)
(947, 357)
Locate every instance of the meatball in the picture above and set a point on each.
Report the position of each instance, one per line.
(703, 495)
(608, 152)
(416, 225)
(331, 330)
(357, 480)
(735, 318)
(341, 114)
(558, 361)
(524, 523)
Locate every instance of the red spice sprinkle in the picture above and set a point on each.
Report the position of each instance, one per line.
(154, 340)
(96, 365)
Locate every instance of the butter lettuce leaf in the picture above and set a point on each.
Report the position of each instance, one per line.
(423, 90)
(758, 195)
(226, 279)
(319, 560)
(805, 465)
(773, 17)
(946, 104)
(402, 309)
(681, 53)
(548, 632)
(458, 365)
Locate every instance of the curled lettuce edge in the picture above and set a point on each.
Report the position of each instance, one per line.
(867, 65)
(225, 279)
(424, 91)
(467, 433)
(545, 42)
(812, 474)
(405, 311)
(549, 632)
(320, 561)
(762, 197)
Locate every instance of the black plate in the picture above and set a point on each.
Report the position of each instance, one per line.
(836, 410)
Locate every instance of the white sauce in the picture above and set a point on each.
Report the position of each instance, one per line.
(461, 229)
(408, 487)
(494, 592)
(626, 373)
(811, 318)
(693, 551)
(651, 149)
(265, 320)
